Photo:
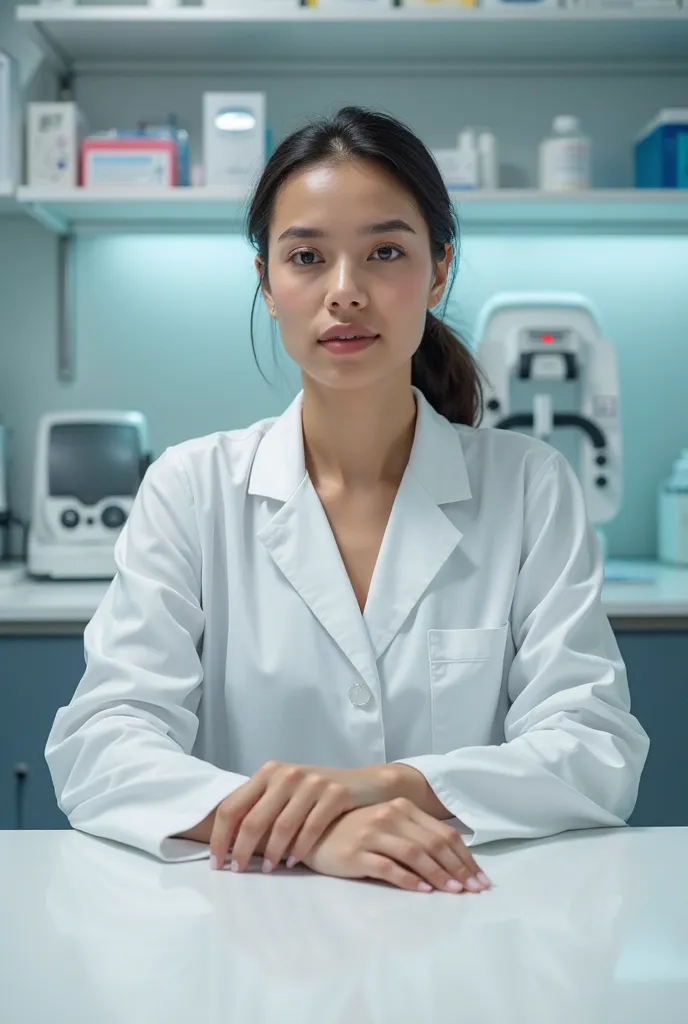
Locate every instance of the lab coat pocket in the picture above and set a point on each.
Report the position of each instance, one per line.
(466, 669)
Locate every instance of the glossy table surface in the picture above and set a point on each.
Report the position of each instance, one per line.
(587, 926)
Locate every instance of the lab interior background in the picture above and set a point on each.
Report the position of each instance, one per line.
(160, 322)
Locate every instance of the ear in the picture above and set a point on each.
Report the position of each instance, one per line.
(264, 285)
(440, 275)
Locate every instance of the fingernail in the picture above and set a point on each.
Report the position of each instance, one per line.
(424, 887)
(453, 886)
(267, 867)
(234, 865)
(213, 862)
(483, 879)
(291, 861)
(473, 885)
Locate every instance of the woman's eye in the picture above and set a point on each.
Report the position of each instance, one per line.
(302, 252)
(387, 248)
(310, 252)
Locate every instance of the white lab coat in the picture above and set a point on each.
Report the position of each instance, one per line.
(231, 636)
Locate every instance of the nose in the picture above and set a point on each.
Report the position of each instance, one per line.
(344, 289)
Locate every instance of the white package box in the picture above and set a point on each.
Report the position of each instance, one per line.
(458, 168)
(10, 124)
(53, 138)
(234, 158)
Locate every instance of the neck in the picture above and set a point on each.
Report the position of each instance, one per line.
(361, 437)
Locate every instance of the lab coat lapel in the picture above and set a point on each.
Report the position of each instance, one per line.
(300, 540)
(418, 540)
(419, 537)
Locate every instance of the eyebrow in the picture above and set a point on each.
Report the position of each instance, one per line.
(295, 231)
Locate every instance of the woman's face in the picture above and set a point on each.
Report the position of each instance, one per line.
(332, 262)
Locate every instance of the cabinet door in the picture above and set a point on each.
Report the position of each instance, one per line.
(38, 675)
(657, 665)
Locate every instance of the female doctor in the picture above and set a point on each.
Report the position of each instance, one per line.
(365, 635)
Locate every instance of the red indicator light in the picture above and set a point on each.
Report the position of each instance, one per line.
(548, 339)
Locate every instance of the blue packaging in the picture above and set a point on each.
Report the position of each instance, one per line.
(661, 152)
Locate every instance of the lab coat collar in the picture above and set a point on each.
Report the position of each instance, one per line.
(418, 540)
(436, 461)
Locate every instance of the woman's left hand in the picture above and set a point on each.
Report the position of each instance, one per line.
(291, 806)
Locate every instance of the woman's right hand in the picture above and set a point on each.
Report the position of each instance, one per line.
(398, 843)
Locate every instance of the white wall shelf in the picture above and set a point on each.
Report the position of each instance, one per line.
(78, 211)
(83, 210)
(89, 38)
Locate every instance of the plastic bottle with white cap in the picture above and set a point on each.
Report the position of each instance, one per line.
(565, 157)
(673, 515)
(467, 162)
(487, 160)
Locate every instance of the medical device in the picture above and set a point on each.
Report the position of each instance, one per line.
(88, 469)
(552, 374)
(235, 139)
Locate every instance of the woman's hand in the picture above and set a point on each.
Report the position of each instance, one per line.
(288, 807)
(396, 842)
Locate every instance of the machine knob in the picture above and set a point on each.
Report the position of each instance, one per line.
(493, 405)
(601, 481)
(69, 518)
(113, 517)
(601, 460)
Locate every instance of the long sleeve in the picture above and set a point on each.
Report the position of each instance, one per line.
(573, 752)
(120, 752)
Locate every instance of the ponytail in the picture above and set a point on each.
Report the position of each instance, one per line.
(447, 374)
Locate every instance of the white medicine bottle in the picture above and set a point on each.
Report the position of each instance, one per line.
(565, 157)
(673, 515)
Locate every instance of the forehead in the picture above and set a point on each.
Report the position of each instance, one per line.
(341, 197)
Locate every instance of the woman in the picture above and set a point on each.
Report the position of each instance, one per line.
(364, 635)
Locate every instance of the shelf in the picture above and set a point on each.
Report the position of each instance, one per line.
(88, 38)
(628, 211)
(207, 210)
(142, 209)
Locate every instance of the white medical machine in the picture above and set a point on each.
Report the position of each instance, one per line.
(550, 373)
(88, 469)
(235, 139)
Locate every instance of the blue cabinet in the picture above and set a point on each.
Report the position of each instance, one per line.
(657, 665)
(38, 674)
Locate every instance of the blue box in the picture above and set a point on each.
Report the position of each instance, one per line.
(661, 152)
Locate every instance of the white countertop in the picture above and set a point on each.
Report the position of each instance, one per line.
(664, 592)
(582, 928)
(648, 589)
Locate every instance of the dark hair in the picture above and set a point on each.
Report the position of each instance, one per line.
(442, 367)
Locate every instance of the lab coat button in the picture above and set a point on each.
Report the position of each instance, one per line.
(359, 694)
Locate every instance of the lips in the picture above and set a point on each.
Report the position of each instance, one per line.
(341, 331)
(339, 346)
